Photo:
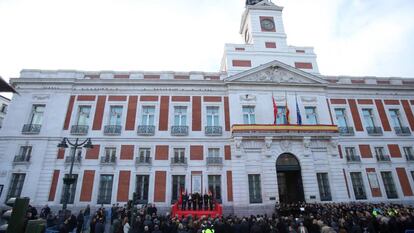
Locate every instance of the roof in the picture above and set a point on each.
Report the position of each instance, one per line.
(5, 86)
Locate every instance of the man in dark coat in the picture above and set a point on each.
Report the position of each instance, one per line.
(206, 199)
(200, 202)
(184, 200)
(100, 226)
(79, 222)
(195, 199)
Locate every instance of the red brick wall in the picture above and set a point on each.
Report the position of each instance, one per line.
(196, 124)
(61, 153)
(365, 151)
(132, 113)
(212, 98)
(355, 115)
(303, 65)
(87, 185)
(408, 113)
(93, 153)
(86, 98)
(160, 186)
(127, 152)
(117, 98)
(226, 113)
(196, 152)
(391, 102)
(227, 152)
(383, 115)
(241, 63)
(270, 45)
(394, 150)
(161, 152)
(405, 183)
(229, 185)
(55, 179)
(148, 98)
(338, 101)
(123, 186)
(99, 113)
(69, 112)
(164, 107)
(365, 101)
(180, 98)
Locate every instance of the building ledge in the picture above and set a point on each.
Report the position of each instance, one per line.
(292, 130)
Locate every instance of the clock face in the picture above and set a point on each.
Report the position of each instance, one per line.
(267, 24)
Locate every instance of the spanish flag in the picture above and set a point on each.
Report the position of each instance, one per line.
(274, 110)
(287, 111)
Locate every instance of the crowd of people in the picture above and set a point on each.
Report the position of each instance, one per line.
(293, 218)
(197, 201)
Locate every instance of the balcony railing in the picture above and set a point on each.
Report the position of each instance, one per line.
(284, 130)
(112, 129)
(353, 159)
(409, 157)
(108, 160)
(383, 158)
(179, 161)
(402, 131)
(146, 130)
(179, 130)
(214, 161)
(21, 159)
(78, 159)
(79, 129)
(140, 160)
(346, 131)
(374, 131)
(213, 130)
(31, 129)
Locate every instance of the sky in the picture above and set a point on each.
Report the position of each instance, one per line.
(351, 37)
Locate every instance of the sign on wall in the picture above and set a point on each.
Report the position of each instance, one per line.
(373, 180)
(196, 183)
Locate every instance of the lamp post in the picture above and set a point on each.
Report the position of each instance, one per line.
(69, 180)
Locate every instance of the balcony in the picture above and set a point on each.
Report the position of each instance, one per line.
(353, 159)
(21, 159)
(284, 130)
(374, 131)
(346, 131)
(409, 157)
(383, 158)
(108, 160)
(31, 129)
(179, 130)
(143, 161)
(178, 161)
(402, 131)
(78, 159)
(112, 129)
(213, 130)
(146, 130)
(79, 129)
(214, 161)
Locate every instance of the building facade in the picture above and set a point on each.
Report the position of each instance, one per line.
(267, 128)
(4, 103)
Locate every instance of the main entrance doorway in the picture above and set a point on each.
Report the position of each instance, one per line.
(289, 179)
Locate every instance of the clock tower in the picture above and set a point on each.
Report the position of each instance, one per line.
(265, 40)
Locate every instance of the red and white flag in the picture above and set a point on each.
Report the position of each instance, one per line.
(274, 110)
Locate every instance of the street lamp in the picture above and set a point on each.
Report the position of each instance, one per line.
(69, 180)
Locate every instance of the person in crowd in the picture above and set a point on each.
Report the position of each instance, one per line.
(205, 199)
(45, 212)
(125, 224)
(184, 200)
(189, 201)
(79, 222)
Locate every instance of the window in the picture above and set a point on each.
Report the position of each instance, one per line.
(395, 117)
(368, 117)
(249, 115)
(178, 185)
(214, 186)
(212, 116)
(389, 185)
(341, 117)
(105, 189)
(255, 192)
(358, 185)
(110, 152)
(144, 154)
(25, 153)
(3, 108)
(83, 115)
(379, 151)
(311, 115)
(148, 113)
(36, 116)
(1, 121)
(16, 185)
(281, 116)
(115, 114)
(179, 155)
(323, 184)
(350, 151)
(142, 189)
(72, 190)
(213, 152)
(78, 154)
(409, 153)
(180, 115)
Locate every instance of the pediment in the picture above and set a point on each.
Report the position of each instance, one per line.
(276, 72)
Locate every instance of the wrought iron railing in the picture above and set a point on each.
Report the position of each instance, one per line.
(346, 131)
(374, 131)
(112, 129)
(146, 130)
(383, 158)
(409, 157)
(214, 160)
(179, 130)
(178, 161)
(353, 158)
(141, 160)
(213, 130)
(31, 128)
(402, 131)
(21, 159)
(79, 129)
(108, 159)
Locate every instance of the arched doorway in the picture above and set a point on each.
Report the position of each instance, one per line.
(289, 179)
